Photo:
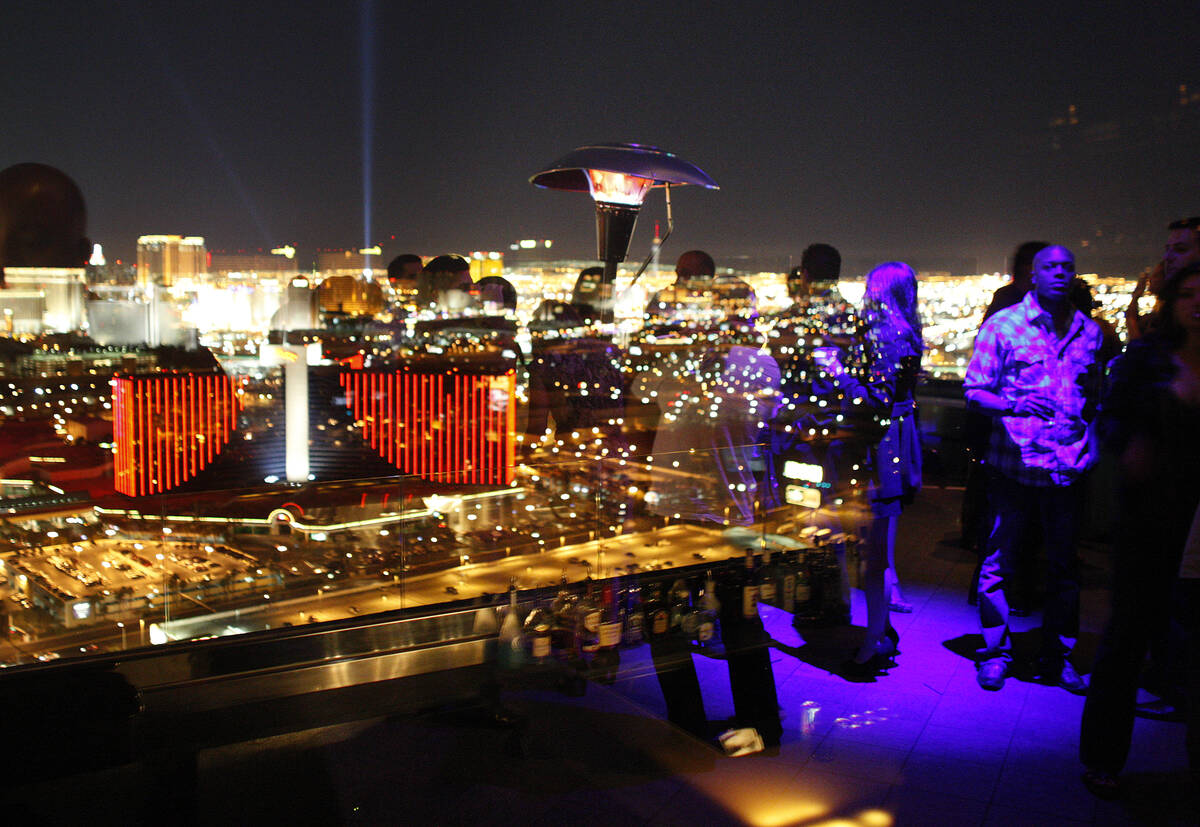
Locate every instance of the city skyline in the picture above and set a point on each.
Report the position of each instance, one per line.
(935, 134)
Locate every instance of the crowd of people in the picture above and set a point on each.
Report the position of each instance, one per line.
(1051, 390)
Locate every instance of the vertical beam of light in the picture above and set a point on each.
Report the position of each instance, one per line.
(367, 53)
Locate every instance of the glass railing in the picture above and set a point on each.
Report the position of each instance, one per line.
(419, 456)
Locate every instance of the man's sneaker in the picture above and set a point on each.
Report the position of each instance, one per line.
(991, 674)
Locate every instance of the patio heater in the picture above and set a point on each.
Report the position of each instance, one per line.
(618, 176)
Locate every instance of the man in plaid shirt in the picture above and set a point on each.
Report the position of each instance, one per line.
(1036, 369)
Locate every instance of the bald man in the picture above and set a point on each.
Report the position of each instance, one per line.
(43, 220)
(1036, 371)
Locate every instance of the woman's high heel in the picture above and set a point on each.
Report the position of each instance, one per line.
(894, 637)
(875, 665)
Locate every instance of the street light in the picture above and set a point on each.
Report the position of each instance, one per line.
(121, 626)
(618, 177)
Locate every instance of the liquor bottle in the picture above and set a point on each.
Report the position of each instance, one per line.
(816, 582)
(588, 617)
(658, 618)
(787, 582)
(803, 582)
(607, 660)
(563, 611)
(537, 633)
(767, 576)
(749, 587)
(611, 617)
(833, 607)
(635, 614)
(708, 612)
(680, 600)
(511, 645)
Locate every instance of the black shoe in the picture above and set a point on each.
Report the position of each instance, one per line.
(991, 675)
(1159, 710)
(1071, 680)
(1102, 784)
(894, 637)
(1055, 672)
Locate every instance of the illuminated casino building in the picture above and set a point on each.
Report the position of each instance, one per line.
(349, 262)
(42, 299)
(168, 427)
(350, 295)
(454, 426)
(164, 259)
(451, 426)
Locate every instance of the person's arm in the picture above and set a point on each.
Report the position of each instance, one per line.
(1123, 406)
(1133, 320)
(982, 384)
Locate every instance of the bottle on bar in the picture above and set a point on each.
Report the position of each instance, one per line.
(708, 612)
(680, 601)
(635, 613)
(658, 618)
(611, 617)
(563, 610)
(785, 583)
(803, 582)
(588, 615)
(511, 648)
(767, 580)
(816, 581)
(607, 659)
(749, 587)
(537, 633)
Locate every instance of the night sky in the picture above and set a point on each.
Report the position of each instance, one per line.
(918, 131)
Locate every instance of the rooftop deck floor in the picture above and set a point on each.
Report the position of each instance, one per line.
(920, 745)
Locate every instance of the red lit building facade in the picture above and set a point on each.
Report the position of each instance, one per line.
(448, 427)
(168, 427)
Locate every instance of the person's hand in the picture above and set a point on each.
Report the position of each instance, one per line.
(1139, 289)
(1035, 405)
(1186, 386)
(827, 358)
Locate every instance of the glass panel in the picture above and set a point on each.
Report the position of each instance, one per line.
(271, 446)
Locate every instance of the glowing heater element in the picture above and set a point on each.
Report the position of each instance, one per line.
(618, 188)
(618, 176)
(448, 427)
(168, 427)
